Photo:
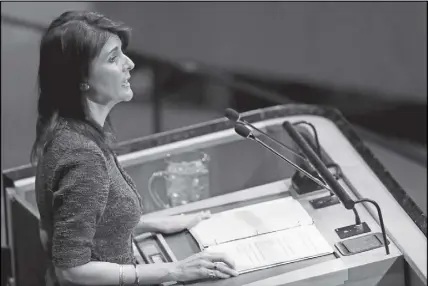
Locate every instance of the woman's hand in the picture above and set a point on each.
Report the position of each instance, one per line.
(177, 223)
(203, 265)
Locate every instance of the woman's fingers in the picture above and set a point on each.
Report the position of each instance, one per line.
(204, 215)
(215, 274)
(224, 269)
(206, 264)
(221, 268)
(221, 262)
(219, 257)
(221, 275)
(201, 216)
(197, 217)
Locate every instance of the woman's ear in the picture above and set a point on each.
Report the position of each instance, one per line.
(84, 87)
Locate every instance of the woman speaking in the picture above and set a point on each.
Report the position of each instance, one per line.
(89, 207)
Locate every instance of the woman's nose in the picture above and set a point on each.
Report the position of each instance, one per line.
(129, 64)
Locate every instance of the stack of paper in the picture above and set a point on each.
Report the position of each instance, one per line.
(274, 248)
(250, 220)
(262, 235)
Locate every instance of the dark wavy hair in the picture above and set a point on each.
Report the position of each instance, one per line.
(67, 49)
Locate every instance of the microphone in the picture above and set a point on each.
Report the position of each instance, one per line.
(301, 183)
(242, 130)
(233, 115)
(331, 181)
(319, 166)
(334, 187)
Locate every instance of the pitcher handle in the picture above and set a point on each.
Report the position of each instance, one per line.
(153, 194)
(205, 157)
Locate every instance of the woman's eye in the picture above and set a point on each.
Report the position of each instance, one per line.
(113, 59)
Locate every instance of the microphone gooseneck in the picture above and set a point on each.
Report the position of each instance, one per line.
(331, 181)
(319, 165)
(234, 116)
(245, 132)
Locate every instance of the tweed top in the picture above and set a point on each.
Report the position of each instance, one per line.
(89, 207)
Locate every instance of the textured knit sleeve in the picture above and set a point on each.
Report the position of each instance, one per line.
(79, 201)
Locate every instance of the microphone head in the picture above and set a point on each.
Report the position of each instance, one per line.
(243, 131)
(231, 114)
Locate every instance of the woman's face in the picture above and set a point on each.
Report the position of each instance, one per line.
(109, 74)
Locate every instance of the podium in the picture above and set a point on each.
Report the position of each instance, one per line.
(242, 173)
(333, 269)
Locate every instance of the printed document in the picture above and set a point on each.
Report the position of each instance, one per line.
(262, 235)
(275, 248)
(250, 221)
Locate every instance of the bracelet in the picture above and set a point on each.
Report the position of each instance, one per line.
(137, 279)
(121, 275)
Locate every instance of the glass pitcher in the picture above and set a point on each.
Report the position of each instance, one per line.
(186, 179)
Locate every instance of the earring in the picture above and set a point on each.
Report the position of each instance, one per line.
(84, 87)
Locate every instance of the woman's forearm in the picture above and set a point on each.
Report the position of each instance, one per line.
(148, 225)
(105, 273)
(170, 224)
